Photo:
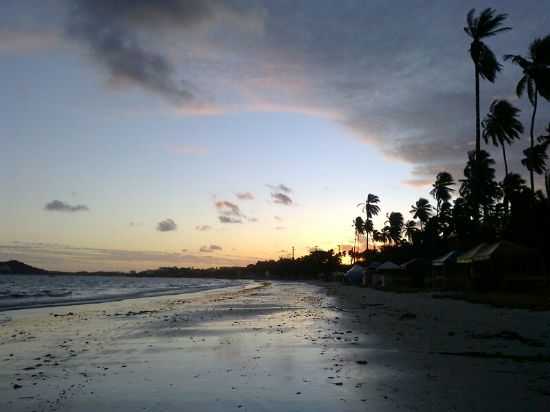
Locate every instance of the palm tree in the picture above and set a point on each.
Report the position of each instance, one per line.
(536, 79)
(395, 220)
(377, 236)
(501, 126)
(486, 65)
(386, 234)
(359, 226)
(368, 228)
(371, 208)
(535, 159)
(442, 190)
(487, 24)
(512, 183)
(410, 229)
(422, 211)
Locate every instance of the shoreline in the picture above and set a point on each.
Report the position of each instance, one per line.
(273, 346)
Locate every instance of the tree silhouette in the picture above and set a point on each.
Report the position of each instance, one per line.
(486, 65)
(410, 229)
(536, 79)
(395, 220)
(484, 179)
(359, 226)
(421, 210)
(371, 209)
(442, 188)
(501, 126)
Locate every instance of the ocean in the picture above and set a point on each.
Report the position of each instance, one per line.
(27, 291)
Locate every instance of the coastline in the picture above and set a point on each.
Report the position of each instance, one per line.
(279, 346)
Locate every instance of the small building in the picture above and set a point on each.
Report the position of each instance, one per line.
(370, 271)
(502, 265)
(417, 271)
(355, 275)
(388, 275)
(446, 273)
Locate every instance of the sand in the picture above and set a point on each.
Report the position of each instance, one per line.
(277, 347)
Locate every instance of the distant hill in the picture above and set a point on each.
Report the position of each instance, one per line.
(14, 266)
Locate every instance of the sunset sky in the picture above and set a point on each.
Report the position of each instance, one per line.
(138, 134)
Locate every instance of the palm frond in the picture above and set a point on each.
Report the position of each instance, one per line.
(539, 50)
(520, 88)
(488, 64)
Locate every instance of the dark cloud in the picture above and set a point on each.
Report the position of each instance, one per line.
(281, 198)
(60, 206)
(118, 35)
(227, 219)
(245, 196)
(210, 249)
(167, 225)
(280, 188)
(203, 228)
(229, 212)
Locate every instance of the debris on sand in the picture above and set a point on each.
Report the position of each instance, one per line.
(508, 335)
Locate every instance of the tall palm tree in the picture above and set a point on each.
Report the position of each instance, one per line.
(422, 211)
(536, 79)
(501, 126)
(410, 229)
(486, 65)
(442, 188)
(371, 209)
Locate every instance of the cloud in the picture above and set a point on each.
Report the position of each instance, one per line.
(167, 225)
(418, 183)
(210, 249)
(281, 198)
(245, 196)
(203, 228)
(280, 188)
(63, 257)
(278, 218)
(22, 42)
(229, 212)
(60, 206)
(280, 228)
(252, 219)
(227, 219)
(119, 34)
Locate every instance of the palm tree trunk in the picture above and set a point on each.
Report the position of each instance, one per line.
(367, 236)
(532, 134)
(505, 161)
(478, 150)
(506, 200)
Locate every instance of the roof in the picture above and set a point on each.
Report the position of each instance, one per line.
(374, 264)
(467, 257)
(388, 265)
(446, 258)
(486, 251)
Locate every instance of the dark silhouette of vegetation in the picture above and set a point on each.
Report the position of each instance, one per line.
(486, 65)
(501, 126)
(536, 79)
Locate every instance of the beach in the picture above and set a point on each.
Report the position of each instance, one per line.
(276, 346)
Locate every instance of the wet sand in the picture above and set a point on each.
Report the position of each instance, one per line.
(277, 347)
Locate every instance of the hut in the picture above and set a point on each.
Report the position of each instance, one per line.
(370, 271)
(355, 275)
(417, 270)
(446, 273)
(502, 265)
(388, 276)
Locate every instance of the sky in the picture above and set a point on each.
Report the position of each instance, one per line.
(137, 134)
